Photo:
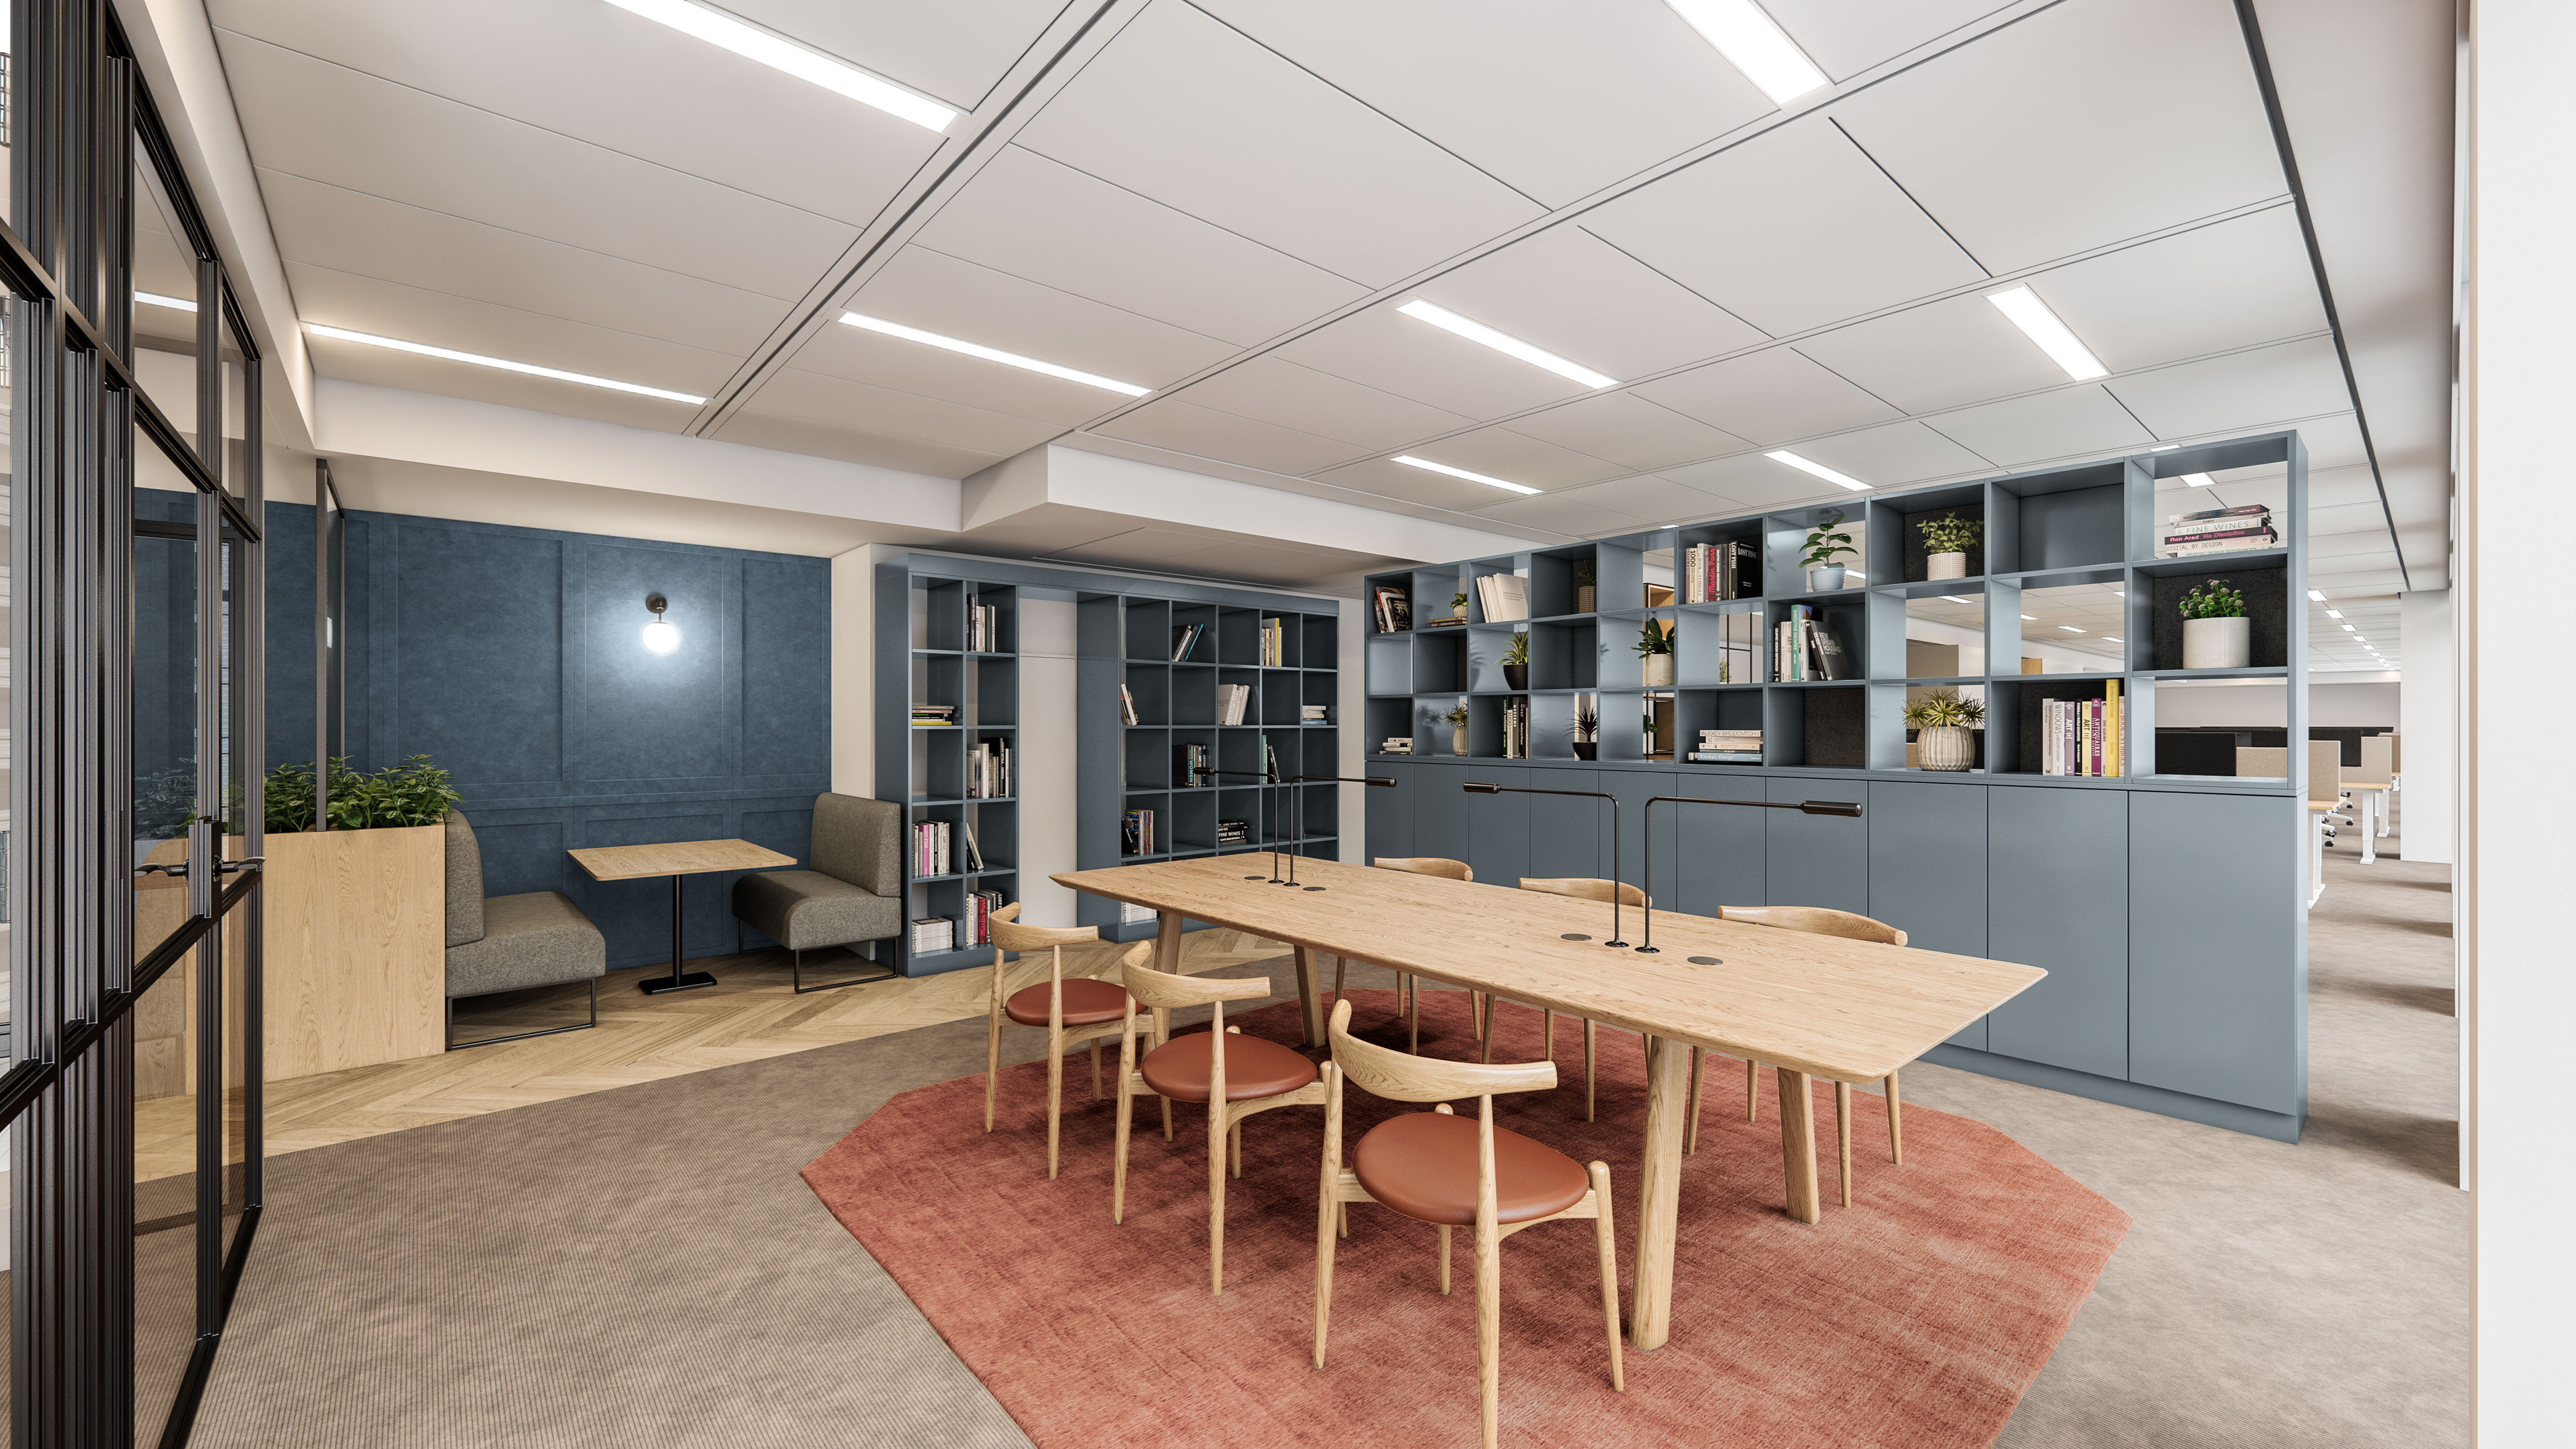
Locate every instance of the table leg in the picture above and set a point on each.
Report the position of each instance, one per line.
(2369, 825)
(678, 980)
(1798, 1145)
(1650, 1305)
(1167, 943)
(1309, 998)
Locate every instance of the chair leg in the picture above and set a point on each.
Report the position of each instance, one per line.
(1327, 1221)
(1842, 1134)
(1605, 1244)
(1591, 1039)
(1476, 1014)
(1118, 1170)
(1444, 1262)
(1095, 1069)
(1341, 973)
(1485, 1024)
(1489, 1332)
(1413, 1011)
(796, 972)
(1547, 1029)
(1236, 1139)
(1055, 1096)
(1690, 1142)
(992, 1062)
(1217, 1135)
(1752, 1089)
(1895, 1125)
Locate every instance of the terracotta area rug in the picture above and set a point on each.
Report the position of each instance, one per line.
(1916, 1318)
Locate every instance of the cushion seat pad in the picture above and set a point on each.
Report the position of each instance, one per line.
(1086, 1003)
(1254, 1068)
(1423, 1165)
(806, 909)
(537, 939)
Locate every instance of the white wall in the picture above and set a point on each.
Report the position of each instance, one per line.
(1046, 769)
(2429, 715)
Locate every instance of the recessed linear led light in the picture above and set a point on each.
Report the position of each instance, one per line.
(2314, 594)
(2069, 628)
(2023, 308)
(2198, 480)
(2334, 613)
(1807, 465)
(1954, 598)
(503, 363)
(779, 53)
(175, 304)
(2350, 630)
(2030, 618)
(1504, 343)
(2112, 639)
(2164, 447)
(1410, 461)
(1754, 44)
(990, 354)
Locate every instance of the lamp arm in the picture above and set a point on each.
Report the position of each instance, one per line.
(1846, 808)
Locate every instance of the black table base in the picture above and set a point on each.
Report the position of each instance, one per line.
(678, 980)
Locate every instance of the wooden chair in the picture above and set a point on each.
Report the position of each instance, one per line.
(1589, 890)
(1236, 1075)
(1408, 990)
(1434, 1168)
(1073, 1012)
(1819, 921)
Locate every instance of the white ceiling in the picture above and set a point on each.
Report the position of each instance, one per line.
(1225, 201)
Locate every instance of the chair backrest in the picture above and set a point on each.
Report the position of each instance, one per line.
(2263, 762)
(2325, 769)
(1425, 865)
(1816, 921)
(1404, 1077)
(464, 882)
(2378, 759)
(1584, 888)
(859, 841)
(1010, 935)
(1168, 992)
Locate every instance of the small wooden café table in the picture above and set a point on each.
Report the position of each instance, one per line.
(676, 860)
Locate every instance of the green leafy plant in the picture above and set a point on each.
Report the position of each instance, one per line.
(1952, 534)
(1655, 638)
(414, 792)
(1943, 709)
(2213, 600)
(1587, 720)
(1518, 653)
(1825, 542)
(1587, 573)
(1457, 601)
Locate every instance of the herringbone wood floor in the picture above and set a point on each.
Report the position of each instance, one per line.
(748, 1014)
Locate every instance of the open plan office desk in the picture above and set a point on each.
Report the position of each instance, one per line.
(1809, 1006)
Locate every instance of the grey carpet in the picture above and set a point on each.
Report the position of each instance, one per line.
(643, 1267)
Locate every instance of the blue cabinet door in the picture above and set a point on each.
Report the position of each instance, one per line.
(1720, 852)
(1390, 811)
(1496, 827)
(1927, 870)
(1568, 834)
(2057, 897)
(1817, 860)
(1439, 811)
(2217, 947)
(1634, 788)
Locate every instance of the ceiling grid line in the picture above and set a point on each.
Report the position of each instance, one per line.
(1902, 190)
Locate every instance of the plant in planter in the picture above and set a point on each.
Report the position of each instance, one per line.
(1457, 718)
(1587, 585)
(1654, 648)
(414, 792)
(1516, 661)
(1587, 729)
(1825, 543)
(1946, 542)
(1945, 728)
(1457, 606)
(2215, 632)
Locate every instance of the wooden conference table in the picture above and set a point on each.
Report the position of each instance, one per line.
(1810, 1006)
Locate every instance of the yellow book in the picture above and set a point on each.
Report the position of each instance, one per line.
(2111, 714)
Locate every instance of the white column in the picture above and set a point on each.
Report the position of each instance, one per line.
(854, 741)
(2428, 721)
(2518, 376)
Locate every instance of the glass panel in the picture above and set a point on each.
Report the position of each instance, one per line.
(237, 757)
(2074, 628)
(236, 456)
(8, 982)
(165, 692)
(165, 1190)
(165, 303)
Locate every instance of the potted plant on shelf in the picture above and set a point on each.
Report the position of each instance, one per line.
(1945, 727)
(1825, 543)
(1516, 662)
(1457, 718)
(1655, 653)
(1457, 606)
(1587, 729)
(1587, 586)
(1946, 542)
(2215, 633)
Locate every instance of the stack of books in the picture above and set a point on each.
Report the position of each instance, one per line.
(1392, 607)
(980, 906)
(1445, 621)
(1274, 643)
(1231, 701)
(934, 714)
(1516, 720)
(1313, 714)
(1136, 832)
(930, 852)
(933, 933)
(1730, 747)
(1502, 597)
(1806, 647)
(1190, 766)
(1396, 745)
(988, 770)
(1234, 832)
(983, 629)
(1715, 571)
(1126, 706)
(1184, 639)
(2219, 530)
(2081, 736)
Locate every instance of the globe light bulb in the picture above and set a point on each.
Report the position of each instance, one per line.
(660, 637)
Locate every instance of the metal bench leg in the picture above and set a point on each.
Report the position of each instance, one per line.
(796, 969)
(449, 1036)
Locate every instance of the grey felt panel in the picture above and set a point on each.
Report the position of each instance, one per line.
(2215, 1008)
(1817, 860)
(2057, 898)
(1927, 870)
(859, 841)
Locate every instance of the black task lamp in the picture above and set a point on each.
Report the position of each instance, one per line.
(1273, 781)
(1487, 787)
(1849, 808)
(1382, 781)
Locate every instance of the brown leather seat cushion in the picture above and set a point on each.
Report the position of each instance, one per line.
(1253, 1068)
(1086, 1003)
(1423, 1165)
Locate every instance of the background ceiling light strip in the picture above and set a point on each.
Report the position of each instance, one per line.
(2040, 325)
(1805, 465)
(1753, 43)
(1504, 342)
(1410, 461)
(503, 363)
(779, 53)
(175, 304)
(990, 354)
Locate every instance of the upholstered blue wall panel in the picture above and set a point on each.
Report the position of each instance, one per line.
(287, 533)
(639, 718)
(476, 623)
(787, 676)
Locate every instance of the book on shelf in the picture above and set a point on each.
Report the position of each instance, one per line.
(1396, 745)
(1190, 766)
(983, 629)
(2241, 510)
(988, 770)
(930, 848)
(1831, 662)
(1313, 713)
(1393, 607)
(1274, 643)
(2082, 736)
(1234, 832)
(1269, 762)
(1731, 741)
(1714, 572)
(1658, 722)
(1807, 648)
(974, 850)
(1231, 701)
(980, 906)
(2264, 538)
(1728, 757)
(1503, 597)
(1136, 832)
(1446, 621)
(934, 933)
(934, 714)
(1185, 639)
(1126, 706)
(1516, 727)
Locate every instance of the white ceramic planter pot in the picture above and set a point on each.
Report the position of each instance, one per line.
(2215, 643)
(1822, 580)
(1659, 671)
(1952, 565)
(1945, 747)
(1458, 740)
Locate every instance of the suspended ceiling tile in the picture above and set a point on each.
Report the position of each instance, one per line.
(1515, 458)
(2217, 287)
(1628, 430)
(1035, 218)
(1384, 349)
(2330, 487)
(392, 141)
(954, 52)
(2360, 515)
(1846, 37)
(1943, 354)
(891, 362)
(794, 393)
(1894, 455)
(1656, 500)
(388, 309)
(1184, 110)
(2027, 150)
(1755, 482)
(2046, 425)
(939, 293)
(1560, 513)
(2243, 391)
(1771, 397)
(1789, 231)
(1413, 485)
(1557, 100)
(359, 363)
(1276, 390)
(1573, 294)
(641, 89)
(850, 445)
(1206, 433)
(358, 234)
(2333, 442)
(2368, 543)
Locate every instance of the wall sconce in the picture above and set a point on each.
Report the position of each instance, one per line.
(661, 636)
